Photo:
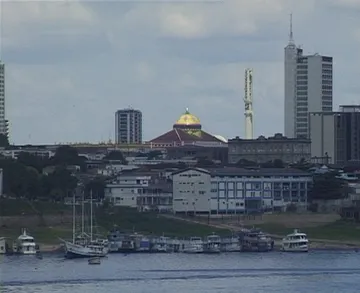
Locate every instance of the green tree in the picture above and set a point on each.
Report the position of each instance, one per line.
(278, 163)
(67, 155)
(115, 156)
(97, 187)
(59, 183)
(245, 163)
(31, 160)
(327, 186)
(4, 140)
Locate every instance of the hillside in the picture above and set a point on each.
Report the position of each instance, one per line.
(49, 221)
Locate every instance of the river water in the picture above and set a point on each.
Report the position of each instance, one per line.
(318, 271)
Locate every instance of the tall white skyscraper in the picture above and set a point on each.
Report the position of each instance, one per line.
(128, 126)
(3, 121)
(308, 88)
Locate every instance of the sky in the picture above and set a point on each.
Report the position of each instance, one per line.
(71, 64)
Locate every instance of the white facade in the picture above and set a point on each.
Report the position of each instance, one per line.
(138, 191)
(239, 191)
(124, 190)
(322, 136)
(3, 121)
(308, 88)
(128, 126)
(192, 191)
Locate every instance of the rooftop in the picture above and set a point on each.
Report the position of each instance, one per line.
(276, 137)
(234, 171)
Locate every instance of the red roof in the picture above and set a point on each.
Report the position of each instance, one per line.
(178, 135)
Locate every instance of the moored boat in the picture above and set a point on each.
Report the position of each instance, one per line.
(212, 244)
(255, 240)
(161, 244)
(295, 242)
(230, 244)
(83, 245)
(194, 245)
(25, 244)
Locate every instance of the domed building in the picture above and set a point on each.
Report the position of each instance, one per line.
(186, 131)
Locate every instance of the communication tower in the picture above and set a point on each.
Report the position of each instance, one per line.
(248, 100)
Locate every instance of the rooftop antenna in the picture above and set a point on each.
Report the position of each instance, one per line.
(248, 101)
(291, 35)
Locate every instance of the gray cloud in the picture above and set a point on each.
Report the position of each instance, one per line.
(70, 67)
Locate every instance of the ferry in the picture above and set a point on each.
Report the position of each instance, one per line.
(121, 242)
(25, 244)
(161, 244)
(194, 245)
(212, 244)
(231, 244)
(255, 240)
(295, 242)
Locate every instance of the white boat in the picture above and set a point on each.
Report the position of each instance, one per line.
(212, 244)
(295, 242)
(231, 244)
(2, 245)
(84, 245)
(194, 245)
(25, 244)
(161, 244)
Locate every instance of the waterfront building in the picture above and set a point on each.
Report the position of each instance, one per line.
(141, 190)
(308, 82)
(128, 126)
(239, 190)
(262, 150)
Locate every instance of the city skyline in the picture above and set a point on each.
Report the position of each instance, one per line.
(71, 65)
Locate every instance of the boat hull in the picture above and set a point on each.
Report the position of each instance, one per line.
(79, 251)
(297, 249)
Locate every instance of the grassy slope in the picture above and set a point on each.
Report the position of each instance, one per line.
(125, 219)
(339, 230)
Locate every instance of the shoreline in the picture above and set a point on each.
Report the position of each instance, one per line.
(314, 245)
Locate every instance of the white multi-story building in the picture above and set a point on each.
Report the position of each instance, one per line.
(141, 190)
(308, 88)
(237, 190)
(3, 122)
(128, 126)
(323, 137)
(192, 191)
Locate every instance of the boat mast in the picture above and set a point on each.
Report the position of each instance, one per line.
(74, 217)
(91, 216)
(82, 214)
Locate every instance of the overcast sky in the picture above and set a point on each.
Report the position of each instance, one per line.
(70, 65)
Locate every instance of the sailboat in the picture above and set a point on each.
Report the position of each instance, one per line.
(83, 245)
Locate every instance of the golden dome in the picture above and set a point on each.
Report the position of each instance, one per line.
(188, 119)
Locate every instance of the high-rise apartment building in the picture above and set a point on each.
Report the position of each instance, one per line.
(347, 134)
(308, 88)
(128, 126)
(3, 121)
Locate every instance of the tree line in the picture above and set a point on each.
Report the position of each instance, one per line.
(34, 177)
